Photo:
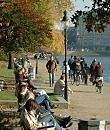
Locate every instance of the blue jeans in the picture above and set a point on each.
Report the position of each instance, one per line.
(44, 100)
(49, 119)
(51, 78)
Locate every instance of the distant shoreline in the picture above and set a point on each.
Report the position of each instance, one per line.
(89, 53)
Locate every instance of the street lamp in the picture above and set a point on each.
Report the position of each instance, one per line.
(65, 21)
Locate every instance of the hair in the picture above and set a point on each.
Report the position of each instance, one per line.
(62, 77)
(30, 105)
(23, 85)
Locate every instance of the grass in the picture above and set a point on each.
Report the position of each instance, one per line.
(8, 75)
(52, 97)
(10, 95)
(7, 95)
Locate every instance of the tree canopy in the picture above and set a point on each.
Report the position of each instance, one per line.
(97, 18)
(29, 24)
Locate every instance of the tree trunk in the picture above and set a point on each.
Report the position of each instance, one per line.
(10, 62)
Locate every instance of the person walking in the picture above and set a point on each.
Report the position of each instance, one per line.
(51, 67)
(92, 71)
(86, 71)
(98, 77)
(63, 68)
(70, 61)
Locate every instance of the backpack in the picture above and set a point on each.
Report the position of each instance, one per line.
(78, 67)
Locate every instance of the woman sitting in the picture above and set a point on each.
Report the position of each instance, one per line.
(32, 121)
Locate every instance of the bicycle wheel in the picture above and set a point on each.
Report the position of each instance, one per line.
(77, 80)
(72, 79)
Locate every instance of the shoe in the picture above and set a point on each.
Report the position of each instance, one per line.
(52, 112)
(66, 118)
(66, 121)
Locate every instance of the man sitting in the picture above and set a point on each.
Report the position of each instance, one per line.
(60, 86)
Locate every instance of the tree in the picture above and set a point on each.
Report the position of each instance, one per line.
(97, 18)
(23, 28)
(31, 24)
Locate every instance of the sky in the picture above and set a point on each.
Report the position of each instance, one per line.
(79, 4)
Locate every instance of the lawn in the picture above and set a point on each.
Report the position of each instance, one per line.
(8, 76)
(10, 95)
(7, 95)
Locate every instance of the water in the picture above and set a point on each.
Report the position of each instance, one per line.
(104, 60)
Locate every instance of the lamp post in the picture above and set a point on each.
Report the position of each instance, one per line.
(65, 20)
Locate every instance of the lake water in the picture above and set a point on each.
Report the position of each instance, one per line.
(104, 60)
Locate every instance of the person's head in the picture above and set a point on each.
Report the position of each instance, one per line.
(31, 105)
(71, 56)
(75, 57)
(94, 60)
(99, 63)
(85, 64)
(62, 77)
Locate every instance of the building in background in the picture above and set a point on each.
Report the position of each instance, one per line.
(80, 38)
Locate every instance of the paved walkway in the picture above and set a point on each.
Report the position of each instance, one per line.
(84, 103)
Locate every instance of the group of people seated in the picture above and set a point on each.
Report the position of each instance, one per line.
(35, 107)
(35, 110)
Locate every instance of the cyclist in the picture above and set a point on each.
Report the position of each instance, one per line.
(72, 68)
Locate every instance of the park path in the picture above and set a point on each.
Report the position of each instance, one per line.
(84, 101)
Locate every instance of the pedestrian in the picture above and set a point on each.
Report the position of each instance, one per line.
(98, 77)
(92, 71)
(70, 61)
(52, 68)
(72, 68)
(63, 68)
(86, 72)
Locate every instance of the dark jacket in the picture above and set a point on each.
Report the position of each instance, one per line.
(51, 66)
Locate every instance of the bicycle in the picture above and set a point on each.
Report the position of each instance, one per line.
(72, 76)
(77, 78)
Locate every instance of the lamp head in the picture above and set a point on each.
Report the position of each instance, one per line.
(65, 18)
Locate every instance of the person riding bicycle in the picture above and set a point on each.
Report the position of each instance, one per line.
(77, 66)
(72, 68)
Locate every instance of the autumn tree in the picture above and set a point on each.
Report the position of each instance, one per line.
(57, 10)
(28, 27)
